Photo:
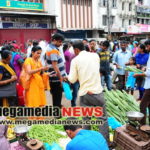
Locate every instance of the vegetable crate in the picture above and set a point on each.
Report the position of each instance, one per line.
(126, 142)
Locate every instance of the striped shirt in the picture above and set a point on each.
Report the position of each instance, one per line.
(53, 54)
(104, 61)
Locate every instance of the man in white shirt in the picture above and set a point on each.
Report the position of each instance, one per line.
(62, 54)
(85, 69)
(145, 103)
(30, 45)
(43, 45)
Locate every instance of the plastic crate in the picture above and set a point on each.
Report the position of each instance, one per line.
(126, 142)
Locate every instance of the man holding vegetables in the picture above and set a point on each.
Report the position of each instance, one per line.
(145, 103)
(120, 58)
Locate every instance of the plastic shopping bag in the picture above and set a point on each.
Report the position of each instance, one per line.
(113, 123)
(67, 90)
(130, 80)
(54, 146)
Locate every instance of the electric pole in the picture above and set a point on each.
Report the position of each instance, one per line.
(108, 18)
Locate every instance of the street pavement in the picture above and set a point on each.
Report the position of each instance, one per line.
(67, 103)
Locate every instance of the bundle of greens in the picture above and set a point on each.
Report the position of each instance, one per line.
(118, 103)
(45, 133)
(131, 69)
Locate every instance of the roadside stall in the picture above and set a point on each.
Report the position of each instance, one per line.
(133, 135)
(38, 137)
(124, 127)
(128, 133)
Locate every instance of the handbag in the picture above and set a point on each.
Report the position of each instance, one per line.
(24, 79)
(45, 78)
(8, 90)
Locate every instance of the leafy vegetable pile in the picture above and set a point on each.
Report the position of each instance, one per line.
(45, 133)
(119, 103)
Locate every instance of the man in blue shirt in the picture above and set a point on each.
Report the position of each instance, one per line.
(120, 59)
(84, 139)
(145, 103)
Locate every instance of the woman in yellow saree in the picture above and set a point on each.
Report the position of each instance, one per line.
(33, 80)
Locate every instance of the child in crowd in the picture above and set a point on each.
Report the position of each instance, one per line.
(130, 83)
(135, 49)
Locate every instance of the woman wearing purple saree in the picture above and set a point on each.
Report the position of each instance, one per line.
(17, 60)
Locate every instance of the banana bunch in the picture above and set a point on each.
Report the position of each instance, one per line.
(10, 132)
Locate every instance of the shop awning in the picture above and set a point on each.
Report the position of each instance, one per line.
(26, 13)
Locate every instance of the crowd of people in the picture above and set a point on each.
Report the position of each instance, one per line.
(50, 63)
(89, 67)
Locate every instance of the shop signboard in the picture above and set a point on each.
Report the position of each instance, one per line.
(12, 4)
(19, 25)
(148, 28)
(115, 28)
(144, 28)
(133, 29)
(138, 28)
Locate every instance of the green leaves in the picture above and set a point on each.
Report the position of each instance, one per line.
(45, 133)
(118, 103)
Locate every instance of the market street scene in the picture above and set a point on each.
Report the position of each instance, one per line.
(74, 74)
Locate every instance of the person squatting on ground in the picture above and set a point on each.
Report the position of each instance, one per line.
(84, 139)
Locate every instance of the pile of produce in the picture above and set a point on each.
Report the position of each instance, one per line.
(61, 128)
(45, 133)
(131, 69)
(118, 103)
(10, 132)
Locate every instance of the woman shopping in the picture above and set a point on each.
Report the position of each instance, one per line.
(32, 79)
(7, 81)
